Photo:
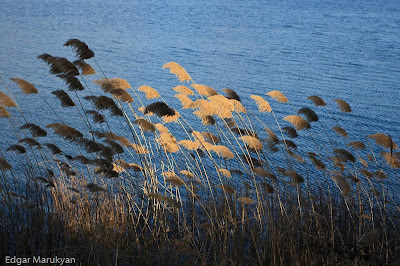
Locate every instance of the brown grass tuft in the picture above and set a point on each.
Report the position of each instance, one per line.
(4, 165)
(3, 112)
(53, 148)
(316, 100)
(340, 131)
(97, 117)
(264, 173)
(145, 125)
(17, 148)
(187, 173)
(344, 106)
(35, 130)
(81, 49)
(298, 122)
(92, 187)
(73, 83)
(231, 94)
(86, 69)
(178, 71)
(30, 142)
(26, 87)
(344, 155)
(291, 131)
(210, 137)
(189, 145)
(160, 109)
(6, 101)
(358, 145)
(278, 96)
(311, 116)
(228, 189)
(391, 160)
(384, 140)
(246, 200)
(64, 98)
(65, 131)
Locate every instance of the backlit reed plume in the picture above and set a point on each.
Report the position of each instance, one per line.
(344, 106)
(310, 115)
(65, 131)
(59, 65)
(97, 117)
(204, 90)
(173, 179)
(3, 112)
(189, 145)
(168, 142)
(231, 94)
(223, 105)
(178, 71)
(340, 131)
(111, 84)
(149, 92)
(6, 101)
(298, 122)
(358, 145)
(53, 148)
(85, 68)
(185, 100)
(171, 118)
(4, 165)
(183, 90)
(35, 130)
(291, 131)
(252, 142)
(263, 105)
(122, 95)
(344, 155)
(161, 128)
(26, 87)
(139, 149)
(316, 100)
(16, 148)
(160, 109)
(72, 82)
(105, 103)
(363, 162)
(222, 151)
(384, 140)
(187, 173)
(30, 142)
(278, 96)
(204, 108)
(64, 98)
(238, 106)
(81, 49)
(225, 172)
(145, 125)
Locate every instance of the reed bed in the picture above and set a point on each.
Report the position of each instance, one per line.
(207, 178)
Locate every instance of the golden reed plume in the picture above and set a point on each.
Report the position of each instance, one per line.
(26, 87)
(178, 71)
(278, 96)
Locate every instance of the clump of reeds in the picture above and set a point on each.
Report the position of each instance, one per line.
(208, 184)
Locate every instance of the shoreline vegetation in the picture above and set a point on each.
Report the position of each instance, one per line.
(208, 190)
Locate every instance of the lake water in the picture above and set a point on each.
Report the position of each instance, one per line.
(334, 49)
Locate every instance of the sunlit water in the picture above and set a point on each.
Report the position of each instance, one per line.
(328, 48)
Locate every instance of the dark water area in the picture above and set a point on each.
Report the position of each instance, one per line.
(333, 49)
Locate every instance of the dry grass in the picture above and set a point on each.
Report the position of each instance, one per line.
(214, 188)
